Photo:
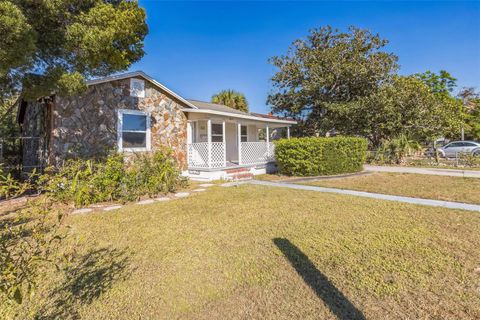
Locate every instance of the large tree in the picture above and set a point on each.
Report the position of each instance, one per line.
(329, 66)
(54, 45)
(404, 107)
(232, 99)
(441, 83)
(471, 101)
(442, 86)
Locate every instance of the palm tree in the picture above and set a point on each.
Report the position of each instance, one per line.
(232, 99)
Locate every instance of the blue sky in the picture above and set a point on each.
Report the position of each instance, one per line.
(198, 48)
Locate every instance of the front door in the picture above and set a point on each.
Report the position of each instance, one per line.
(232, 142)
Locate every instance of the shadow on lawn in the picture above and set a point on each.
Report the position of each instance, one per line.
(325, 290)
(85, 280)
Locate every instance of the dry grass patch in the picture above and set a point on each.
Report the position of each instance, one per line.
(412, 185)
(268, 253)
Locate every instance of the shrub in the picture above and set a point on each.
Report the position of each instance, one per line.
(469, 160)
(151, 174)
(86, 182)
(29, 240)
(320, 156)
(395, 151)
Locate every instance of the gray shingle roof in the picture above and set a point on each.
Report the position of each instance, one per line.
(215, 107)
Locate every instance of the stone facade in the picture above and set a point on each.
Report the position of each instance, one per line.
(86, 125)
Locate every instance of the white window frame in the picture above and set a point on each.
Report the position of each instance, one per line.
(217, 134)
(135, 93)
(120, 114)
(244, 135)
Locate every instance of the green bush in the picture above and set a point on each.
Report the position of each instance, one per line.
(320, 156)
(85, 182)
(395, 151)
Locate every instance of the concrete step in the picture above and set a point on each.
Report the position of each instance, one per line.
(237, 170)
(241, 176)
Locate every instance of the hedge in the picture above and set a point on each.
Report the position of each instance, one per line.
(320, 156)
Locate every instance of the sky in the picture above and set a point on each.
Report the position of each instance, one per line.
(199, 48)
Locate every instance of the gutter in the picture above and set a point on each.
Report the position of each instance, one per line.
(240, 116)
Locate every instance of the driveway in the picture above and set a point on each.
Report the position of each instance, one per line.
(431, 171)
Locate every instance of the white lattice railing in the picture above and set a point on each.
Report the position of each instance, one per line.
(256, 152)
(198, 155)
(218, 155)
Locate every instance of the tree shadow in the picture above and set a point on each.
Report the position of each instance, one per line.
(86, 279)
(325, 290)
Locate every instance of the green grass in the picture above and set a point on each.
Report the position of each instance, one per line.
(223, 254)
(413, 185)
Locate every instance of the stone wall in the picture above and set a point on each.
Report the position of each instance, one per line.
(86, 125)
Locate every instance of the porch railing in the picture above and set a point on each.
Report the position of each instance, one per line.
(256, 152)
(203, 155)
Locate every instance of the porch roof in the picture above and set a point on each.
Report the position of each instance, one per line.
(221, 110)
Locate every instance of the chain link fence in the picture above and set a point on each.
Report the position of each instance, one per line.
(426, 157)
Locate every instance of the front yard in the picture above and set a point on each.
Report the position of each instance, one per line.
(268, 253)
(411, 185)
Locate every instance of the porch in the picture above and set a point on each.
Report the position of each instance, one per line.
(227, 144)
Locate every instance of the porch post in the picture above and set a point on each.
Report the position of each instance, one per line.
(268, 139)
(209, 141)
(189, 141)
(288, 132)
(239, 142)
(224, 141)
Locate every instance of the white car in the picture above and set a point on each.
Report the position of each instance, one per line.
(454, 148)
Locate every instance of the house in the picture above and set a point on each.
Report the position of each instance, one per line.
(132, 112)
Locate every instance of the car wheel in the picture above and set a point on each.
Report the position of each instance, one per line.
(476, 153)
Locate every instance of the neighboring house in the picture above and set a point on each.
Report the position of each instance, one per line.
(132, 112)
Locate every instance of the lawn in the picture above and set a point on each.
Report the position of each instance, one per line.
(267, 253)
(413, 185)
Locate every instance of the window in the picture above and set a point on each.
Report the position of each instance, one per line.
(133, 130)
(243, 134)
(137, 88)
(217, 132)
(469, 144)
(454, 145)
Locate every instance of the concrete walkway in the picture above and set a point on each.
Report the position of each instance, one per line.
(379, 196)
(432, 171)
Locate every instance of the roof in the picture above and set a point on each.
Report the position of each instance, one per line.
(214, 106)
(270, 116)
(146, 77)
(222, 110)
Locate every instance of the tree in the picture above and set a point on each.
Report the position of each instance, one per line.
(9, 132)
(443, 83)
(471, 101)
(406, 106)
(232, 99)
(54, 45)
(328, 67)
